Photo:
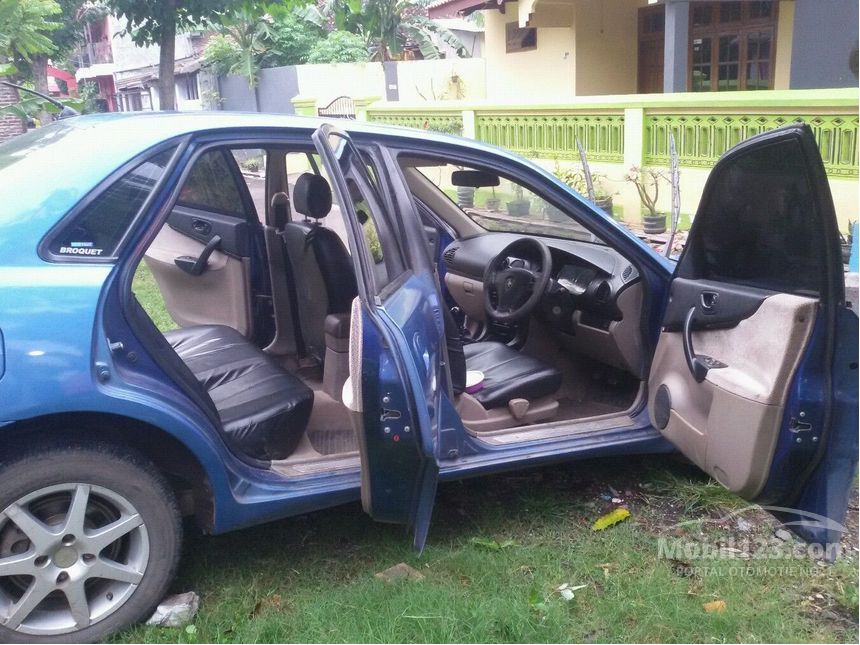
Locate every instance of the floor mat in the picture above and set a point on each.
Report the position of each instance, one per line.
(333, 442)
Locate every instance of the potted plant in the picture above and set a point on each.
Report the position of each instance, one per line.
(575, 178)
(518, 207)
(465, 196)
(647, 182)
(493, 202)
(847, 241)
(602, 196)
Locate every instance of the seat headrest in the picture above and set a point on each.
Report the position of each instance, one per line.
(312, 196)
(280, 210)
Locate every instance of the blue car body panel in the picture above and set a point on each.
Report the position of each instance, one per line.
(54, 350)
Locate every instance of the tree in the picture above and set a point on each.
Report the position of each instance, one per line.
(156, 22)
(65, 36)
(339, 47)
(24, 28)
(387, 25)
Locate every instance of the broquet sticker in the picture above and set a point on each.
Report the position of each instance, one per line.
(80, 248)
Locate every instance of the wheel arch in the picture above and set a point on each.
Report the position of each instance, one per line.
(179, 464)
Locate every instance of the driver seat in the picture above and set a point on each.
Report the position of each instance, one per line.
(509, 376)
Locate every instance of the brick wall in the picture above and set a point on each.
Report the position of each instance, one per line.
(9, 125)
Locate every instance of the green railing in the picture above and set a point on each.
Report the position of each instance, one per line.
(701, 139)
(448, 122)
(634, 129)
(554, 135)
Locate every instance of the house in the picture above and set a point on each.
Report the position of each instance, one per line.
(127, 74)
(559, 49)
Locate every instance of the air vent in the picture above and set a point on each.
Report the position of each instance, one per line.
(602, 293)
(628, 271)
(449, 254)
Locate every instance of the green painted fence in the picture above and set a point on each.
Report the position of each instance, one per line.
(635, 128)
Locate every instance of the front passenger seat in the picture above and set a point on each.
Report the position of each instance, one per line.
(322, 268)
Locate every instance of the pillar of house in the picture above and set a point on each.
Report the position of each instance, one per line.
(362, 103)
(305, 105)
(676, 45)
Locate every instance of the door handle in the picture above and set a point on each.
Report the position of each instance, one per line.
(699, 365)
(709, 300)
(201, 226)
(196, 266)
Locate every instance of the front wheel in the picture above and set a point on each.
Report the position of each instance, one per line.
(90, 536)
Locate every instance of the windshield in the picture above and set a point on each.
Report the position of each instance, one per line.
(507, 207)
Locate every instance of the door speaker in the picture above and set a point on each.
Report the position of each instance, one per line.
(662, 406)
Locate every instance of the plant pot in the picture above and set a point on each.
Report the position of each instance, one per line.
(654, 224)
(518, 208)
(465, 196)
(554, 214)
(846, 252)
(493, 203)
(605, 204)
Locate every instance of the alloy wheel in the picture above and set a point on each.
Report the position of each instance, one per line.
(70, 556)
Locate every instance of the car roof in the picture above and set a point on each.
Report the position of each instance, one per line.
(46, 172)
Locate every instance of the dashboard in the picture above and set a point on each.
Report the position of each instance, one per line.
(593, 302)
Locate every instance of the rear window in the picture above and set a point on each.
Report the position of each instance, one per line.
(97, 230)
(211, 186)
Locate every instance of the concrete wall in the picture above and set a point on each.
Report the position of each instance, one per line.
(446, 79)
(415, 81)
(327, 82)
(127, 55)
(606, 46)
(547, 73)
(824, 40)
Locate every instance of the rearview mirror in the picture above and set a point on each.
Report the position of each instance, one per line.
(474, 178)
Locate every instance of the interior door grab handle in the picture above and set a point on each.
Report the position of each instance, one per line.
(201, 226)
(709, 301)
(701, 364)
(196, 266)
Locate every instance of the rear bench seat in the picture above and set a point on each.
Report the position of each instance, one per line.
(264, 409)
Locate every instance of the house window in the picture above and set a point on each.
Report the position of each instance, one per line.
(188, 86)
(519, 39)
(732, 45)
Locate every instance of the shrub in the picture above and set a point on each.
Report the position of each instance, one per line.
(339, 47)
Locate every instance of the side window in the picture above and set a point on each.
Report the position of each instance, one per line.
(252, 165)
(758, 225)
(98, 229)
(211, 186)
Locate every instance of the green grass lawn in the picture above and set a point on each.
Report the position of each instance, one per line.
(498, 549)
(149, 296)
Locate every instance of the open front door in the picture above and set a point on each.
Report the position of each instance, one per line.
(396, 337)
(755, 373)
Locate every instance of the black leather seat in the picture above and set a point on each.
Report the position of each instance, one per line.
(264, 410)
(509, 374)
(321, 264)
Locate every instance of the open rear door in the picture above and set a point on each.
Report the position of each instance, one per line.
(755, 373)
(396, 337)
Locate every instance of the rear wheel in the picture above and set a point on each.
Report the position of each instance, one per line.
(89, 541)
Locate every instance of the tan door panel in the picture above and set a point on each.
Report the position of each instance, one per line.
(216, 297)
(728, 424)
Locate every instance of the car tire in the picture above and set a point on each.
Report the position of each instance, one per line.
(117, 488)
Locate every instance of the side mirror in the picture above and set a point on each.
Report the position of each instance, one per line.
(474, 178)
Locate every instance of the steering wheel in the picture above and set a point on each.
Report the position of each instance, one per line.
(512, 292)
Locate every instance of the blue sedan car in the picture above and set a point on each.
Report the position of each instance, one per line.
(361, 313)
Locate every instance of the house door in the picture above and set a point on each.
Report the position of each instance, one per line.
(651, 36)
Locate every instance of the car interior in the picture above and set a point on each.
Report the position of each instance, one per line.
(253, 265)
